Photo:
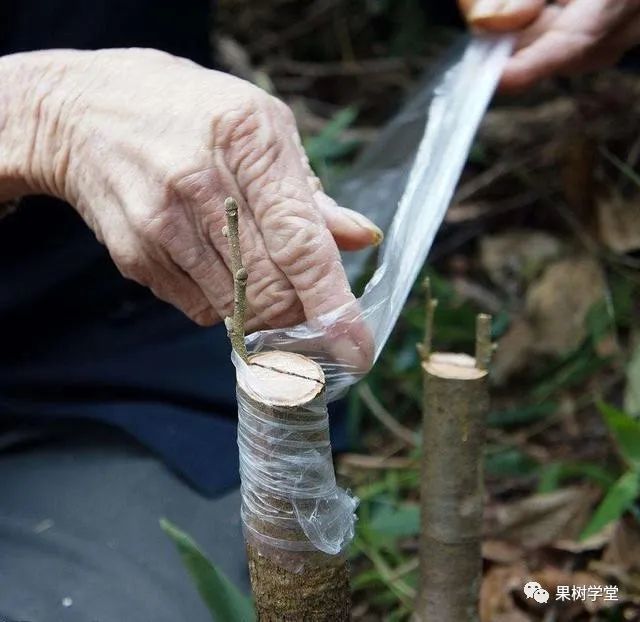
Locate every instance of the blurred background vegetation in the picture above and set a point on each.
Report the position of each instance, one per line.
(544, 233)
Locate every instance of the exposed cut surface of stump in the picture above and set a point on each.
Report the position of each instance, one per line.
(284, 379)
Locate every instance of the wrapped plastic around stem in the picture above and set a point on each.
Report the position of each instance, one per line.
(348, 340)
(290, 500)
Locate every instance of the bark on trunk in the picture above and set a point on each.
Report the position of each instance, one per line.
(456, 401)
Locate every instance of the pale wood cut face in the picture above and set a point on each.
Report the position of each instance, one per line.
(283, 378)
(453, 366)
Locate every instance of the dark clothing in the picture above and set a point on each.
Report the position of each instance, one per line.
(80, 539)
(181, 29)
(76, 339)
(82, 347)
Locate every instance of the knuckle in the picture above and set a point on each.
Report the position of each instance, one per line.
(321, 279)
(157, 226)
(311, 261)
(203, 316)
(283, 198)
(192, 186)
(257, 161)
(294, 239)
(188, 257)
(283, 308)
(225, 306)
(293, 188)
(251, 135)
(254, 147)
(222, 303)
(271, 296)
(131, 265)
(237, 123)
(283, 110)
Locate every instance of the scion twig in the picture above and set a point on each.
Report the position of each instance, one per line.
(235, 323)
(424, 348)
(484, 345)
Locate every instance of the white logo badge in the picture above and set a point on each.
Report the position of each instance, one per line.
(534, 590)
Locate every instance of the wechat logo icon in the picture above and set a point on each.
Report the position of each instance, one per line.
(534, 590)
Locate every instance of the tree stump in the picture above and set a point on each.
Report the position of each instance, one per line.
(287, 472)
(456, 401)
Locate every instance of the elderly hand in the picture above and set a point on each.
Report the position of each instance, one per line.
(147, 146)
(560, 38)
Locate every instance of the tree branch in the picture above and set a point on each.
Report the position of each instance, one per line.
(424, 348)
(484, 345)
(235, 324)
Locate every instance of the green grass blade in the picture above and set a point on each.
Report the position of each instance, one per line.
(523, 415)
(622, 166)
(626, 432)
(223, 599)
(552, 476)
(632, 390)
(617, 501)
(328, 143)
(397, 521)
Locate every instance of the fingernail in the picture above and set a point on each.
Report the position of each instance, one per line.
(355, 217)
(487, 8)
(364, 222)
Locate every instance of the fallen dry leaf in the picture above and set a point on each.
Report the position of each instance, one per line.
(623, 549)
(496, 593)
(541, 519)
(514, 351)
(513, 258)
(619, 222)
(594, 543)
(591, 579)
(500, 551)
(559, 301)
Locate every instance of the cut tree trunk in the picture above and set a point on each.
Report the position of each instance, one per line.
(287, 475)
(282, 415)
(456, 401)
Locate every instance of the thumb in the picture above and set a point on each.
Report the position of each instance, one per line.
(501, 15)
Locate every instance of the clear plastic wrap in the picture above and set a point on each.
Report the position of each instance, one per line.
(290, 499)
(347, 341)
(342, 340)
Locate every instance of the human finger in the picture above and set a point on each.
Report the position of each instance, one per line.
(501, 15)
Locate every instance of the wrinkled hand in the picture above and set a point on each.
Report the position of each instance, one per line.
(565, 37)
(147, 147)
